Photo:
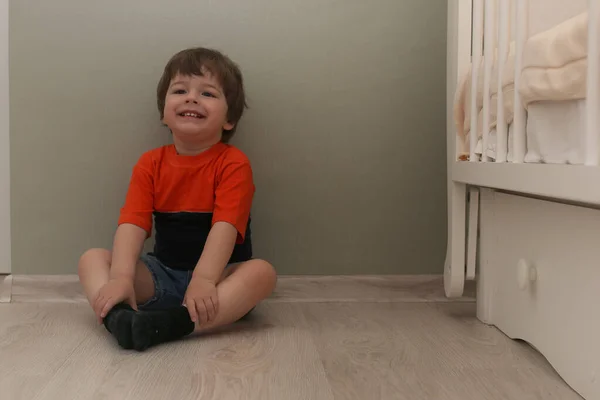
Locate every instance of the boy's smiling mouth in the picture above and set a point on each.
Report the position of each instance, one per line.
(191, 114)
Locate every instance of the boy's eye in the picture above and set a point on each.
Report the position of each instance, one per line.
(179, 91)
(208, 94)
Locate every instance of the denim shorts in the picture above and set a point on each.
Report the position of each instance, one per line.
(170, 284)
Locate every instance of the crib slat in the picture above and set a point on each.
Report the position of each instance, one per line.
(488, 56)
(592, 143)
(503, 39)
(476, 61)
(521, 19)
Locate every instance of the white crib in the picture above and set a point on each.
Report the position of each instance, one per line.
(524, 174)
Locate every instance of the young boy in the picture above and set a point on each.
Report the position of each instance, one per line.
(201, 274)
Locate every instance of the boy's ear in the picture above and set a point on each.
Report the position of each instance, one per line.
(228, 126)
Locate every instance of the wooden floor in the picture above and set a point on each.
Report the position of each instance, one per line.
(316, 338)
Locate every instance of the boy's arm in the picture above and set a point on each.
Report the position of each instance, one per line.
(127, 246)
(135, 220)
(134, 226)
(217, 251)
(233, 200)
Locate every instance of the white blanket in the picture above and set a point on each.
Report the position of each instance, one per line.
(555, 63)
(554, 69)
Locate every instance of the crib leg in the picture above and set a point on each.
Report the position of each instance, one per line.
(472, 233)
(485, 271)
(454, 268)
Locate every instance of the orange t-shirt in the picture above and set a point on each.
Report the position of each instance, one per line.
(187, 195)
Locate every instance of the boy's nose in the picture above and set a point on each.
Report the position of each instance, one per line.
(190, 100)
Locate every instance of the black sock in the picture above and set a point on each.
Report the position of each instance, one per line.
(150, 328)
(118, 322)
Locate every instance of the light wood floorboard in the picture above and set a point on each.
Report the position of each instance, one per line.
(285, 351)
(57, 351)
(288, 349)
(420, 351)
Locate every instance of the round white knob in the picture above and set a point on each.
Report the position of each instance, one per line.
(526, 274)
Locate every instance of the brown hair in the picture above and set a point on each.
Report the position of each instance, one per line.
(198, 61)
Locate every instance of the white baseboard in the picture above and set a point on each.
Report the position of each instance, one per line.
(290, 289)
(5, 288)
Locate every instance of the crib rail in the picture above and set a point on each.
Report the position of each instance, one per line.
(492, 25)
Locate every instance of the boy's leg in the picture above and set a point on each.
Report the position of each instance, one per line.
(242, 287)
(94, 273)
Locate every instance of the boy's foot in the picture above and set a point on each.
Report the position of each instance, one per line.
(140, 330)
(118, 322)
(150, 328)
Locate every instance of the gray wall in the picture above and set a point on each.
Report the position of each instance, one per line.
(346, 130)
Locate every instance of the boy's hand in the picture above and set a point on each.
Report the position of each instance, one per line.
(114, 292)
(201, 300)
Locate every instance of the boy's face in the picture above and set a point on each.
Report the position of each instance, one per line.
(196, 109)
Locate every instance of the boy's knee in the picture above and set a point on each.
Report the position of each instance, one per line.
(91, 257)
(266, 271)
